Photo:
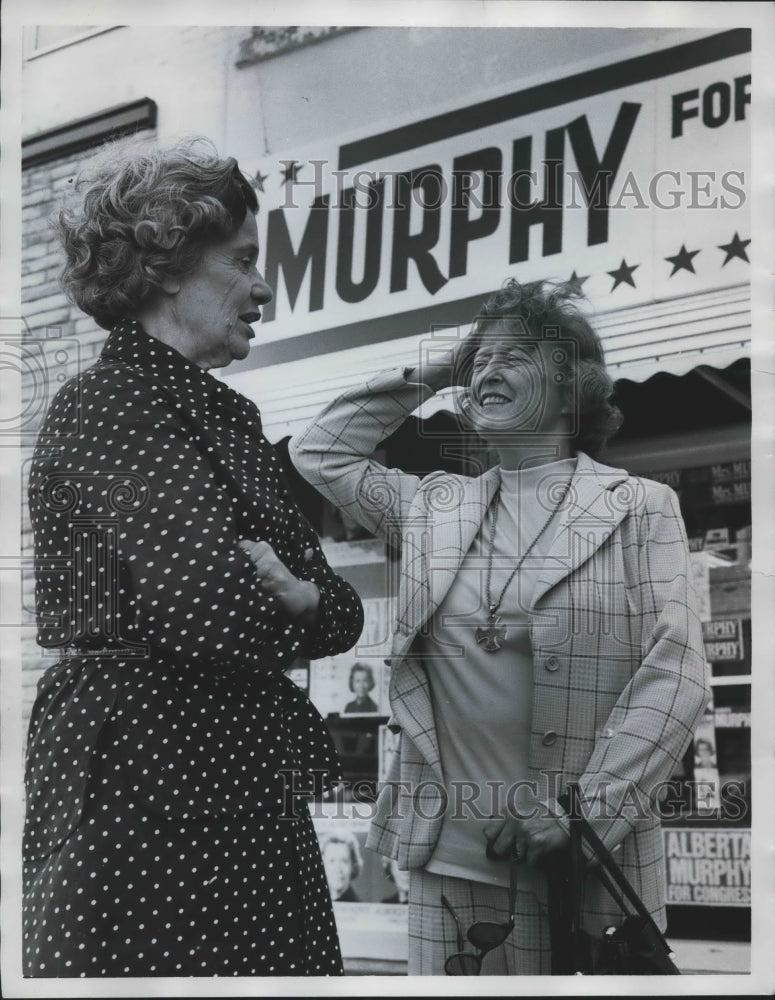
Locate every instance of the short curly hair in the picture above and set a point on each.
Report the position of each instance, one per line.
(535, 309)
(140, 213)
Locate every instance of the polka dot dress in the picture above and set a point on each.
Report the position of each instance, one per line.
(166, 743)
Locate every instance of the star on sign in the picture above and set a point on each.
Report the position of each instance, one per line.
(735, 248)
(576, 281)
(259, 179)
(682, 261)
(291, 171)
(623, 273)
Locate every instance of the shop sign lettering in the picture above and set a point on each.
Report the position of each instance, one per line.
(708, 867)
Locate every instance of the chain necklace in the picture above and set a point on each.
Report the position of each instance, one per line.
(494, 633)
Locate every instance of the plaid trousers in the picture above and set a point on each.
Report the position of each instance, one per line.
(433, 934)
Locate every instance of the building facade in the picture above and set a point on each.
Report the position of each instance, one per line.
(402, 175)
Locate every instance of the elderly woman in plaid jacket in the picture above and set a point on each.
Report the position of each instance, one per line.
(546, 631)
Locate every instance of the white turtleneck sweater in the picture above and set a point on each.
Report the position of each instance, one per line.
(482, 701)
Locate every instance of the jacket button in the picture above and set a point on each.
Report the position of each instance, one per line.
(550, 737)
(552, 663)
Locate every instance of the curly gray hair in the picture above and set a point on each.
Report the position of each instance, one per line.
(139, 214)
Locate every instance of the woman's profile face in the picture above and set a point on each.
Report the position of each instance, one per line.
(216, 303)
(338, 866)
(516, 385)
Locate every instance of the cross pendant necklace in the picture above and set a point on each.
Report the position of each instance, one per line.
(492, 635)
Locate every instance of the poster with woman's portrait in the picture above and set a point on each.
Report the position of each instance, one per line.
(368, 891)
(356, 683)
(706, 772)
(356, 874)
(344, 686)
(705, 742)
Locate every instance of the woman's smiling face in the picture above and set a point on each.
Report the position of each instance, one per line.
(516, 386)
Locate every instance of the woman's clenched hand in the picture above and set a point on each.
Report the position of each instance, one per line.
(298, 598)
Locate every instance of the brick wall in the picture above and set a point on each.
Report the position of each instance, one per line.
(59, 341)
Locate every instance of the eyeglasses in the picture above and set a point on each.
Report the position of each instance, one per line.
(484, 935)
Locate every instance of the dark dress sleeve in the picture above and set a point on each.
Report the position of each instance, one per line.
(339, 620)
(160, 565)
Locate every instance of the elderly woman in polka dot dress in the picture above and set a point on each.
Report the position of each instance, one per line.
(169, 755)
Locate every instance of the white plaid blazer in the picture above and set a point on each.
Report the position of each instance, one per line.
(620, 677)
